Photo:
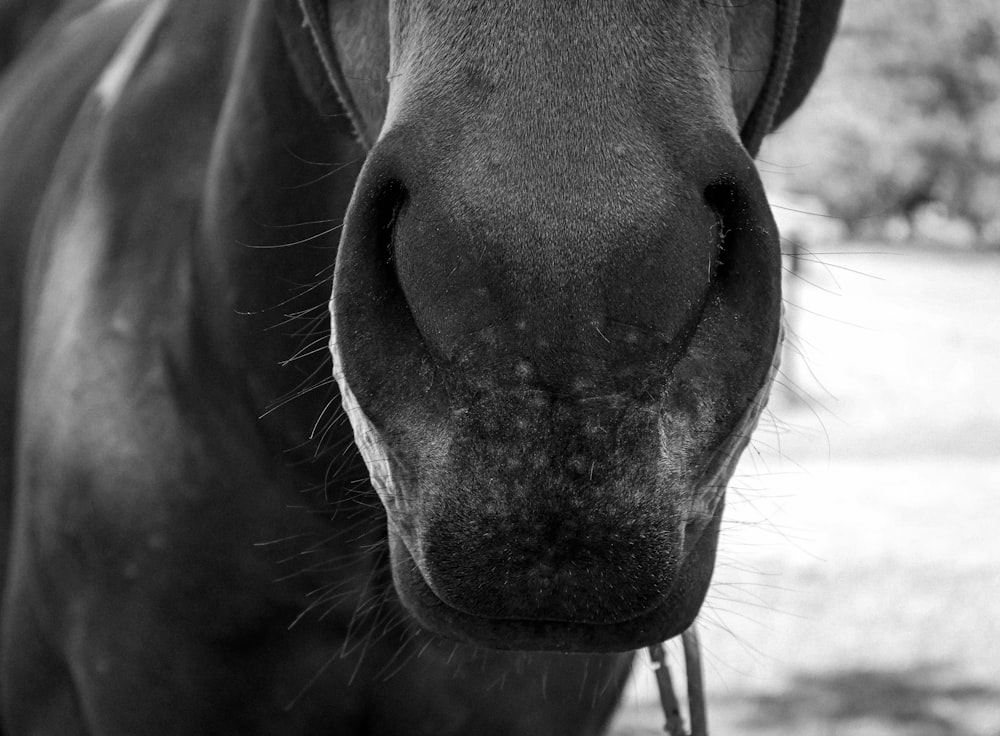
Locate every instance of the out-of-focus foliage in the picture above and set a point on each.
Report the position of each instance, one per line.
(902, 135)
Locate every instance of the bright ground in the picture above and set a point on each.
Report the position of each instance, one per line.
(858, 587)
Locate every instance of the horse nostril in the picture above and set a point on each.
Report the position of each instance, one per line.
(720, 198)
(387, 202)
(740, 228)
(718, 267)
(373, 220)
(374, 334)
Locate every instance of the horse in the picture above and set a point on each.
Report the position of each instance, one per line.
(376, 366)
(20, 21)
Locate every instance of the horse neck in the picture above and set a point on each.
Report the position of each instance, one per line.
(279, 181)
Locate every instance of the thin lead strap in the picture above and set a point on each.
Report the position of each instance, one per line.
(674, 725)
(761, 117)
(696, 682)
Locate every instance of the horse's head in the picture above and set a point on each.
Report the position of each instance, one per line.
(557, 298)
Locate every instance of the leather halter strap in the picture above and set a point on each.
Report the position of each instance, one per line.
(758, 124)
(761, 118)
(317, 21)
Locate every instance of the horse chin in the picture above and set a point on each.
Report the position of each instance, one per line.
(670, 615)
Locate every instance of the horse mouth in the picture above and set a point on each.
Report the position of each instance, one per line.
(667, 615)
(603, 556)
(608, 607)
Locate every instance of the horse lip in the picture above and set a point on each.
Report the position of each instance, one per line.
(669, 616)
(583, 620)
(400, 546)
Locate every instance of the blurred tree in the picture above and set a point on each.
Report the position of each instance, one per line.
(908, 117)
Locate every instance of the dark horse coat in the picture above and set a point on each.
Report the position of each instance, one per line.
(554, 319)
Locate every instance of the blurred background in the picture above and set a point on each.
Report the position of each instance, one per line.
(858, 585)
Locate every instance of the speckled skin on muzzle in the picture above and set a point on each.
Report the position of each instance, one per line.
(538, 524)
(584, 519)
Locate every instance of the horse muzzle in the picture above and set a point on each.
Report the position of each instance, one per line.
(552, 460)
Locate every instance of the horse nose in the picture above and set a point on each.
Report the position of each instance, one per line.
(568, 361)
(555, 280)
